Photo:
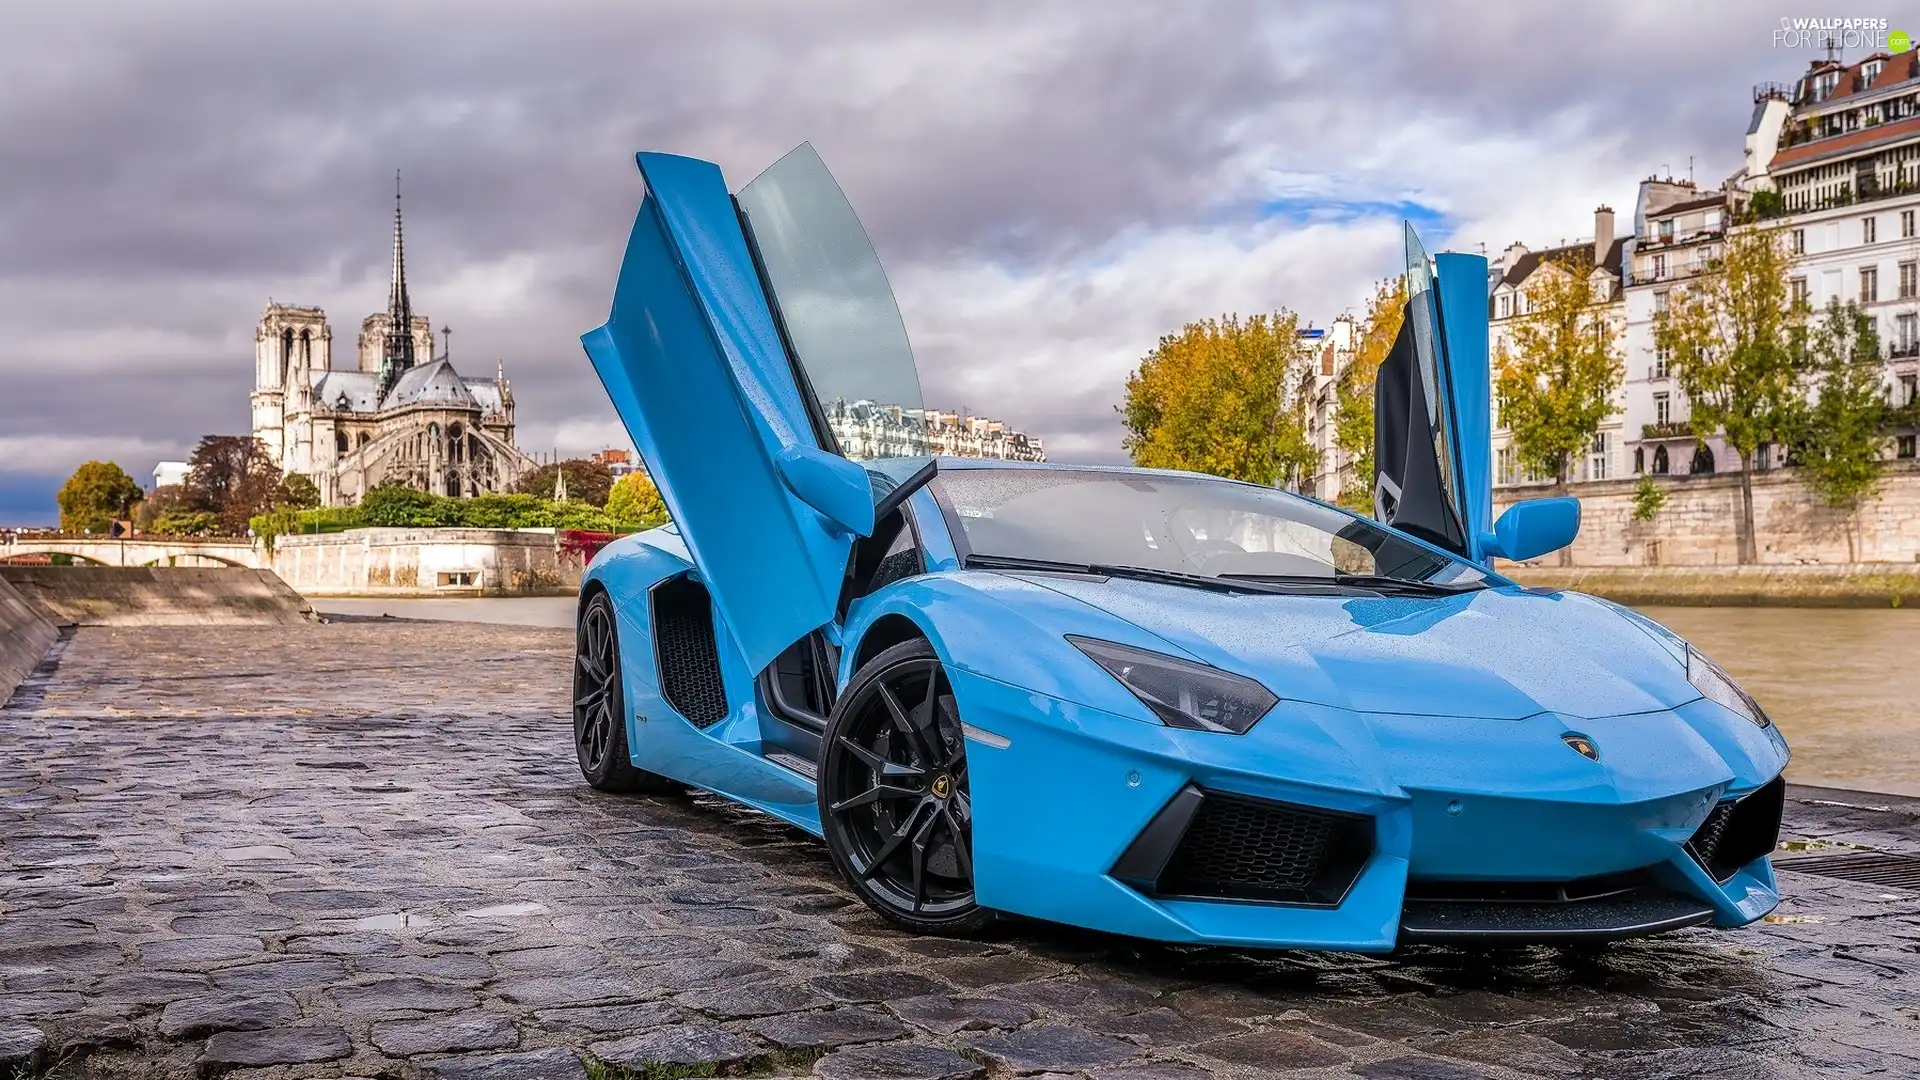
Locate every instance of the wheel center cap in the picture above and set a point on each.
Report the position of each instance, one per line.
(942, 786)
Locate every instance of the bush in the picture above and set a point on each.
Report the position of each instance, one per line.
(396, 506)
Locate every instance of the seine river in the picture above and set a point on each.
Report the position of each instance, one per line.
(1843, 684)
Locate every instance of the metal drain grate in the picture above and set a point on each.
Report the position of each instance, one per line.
(1872, 867)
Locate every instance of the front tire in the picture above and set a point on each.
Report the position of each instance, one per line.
(894, 800)
(600, 707)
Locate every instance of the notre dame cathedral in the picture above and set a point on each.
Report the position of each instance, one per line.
(402, 413)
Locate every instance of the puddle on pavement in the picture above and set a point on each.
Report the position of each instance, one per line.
(395, 920)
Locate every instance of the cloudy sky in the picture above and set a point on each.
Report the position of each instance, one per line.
(1051, 185)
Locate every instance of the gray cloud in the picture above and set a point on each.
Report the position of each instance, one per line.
(169, 168)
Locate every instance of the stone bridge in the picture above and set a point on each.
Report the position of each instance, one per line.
(137, 551)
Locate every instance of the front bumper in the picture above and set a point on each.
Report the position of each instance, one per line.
(1470, 820)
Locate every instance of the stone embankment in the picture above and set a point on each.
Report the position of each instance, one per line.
(1865, 585)
(155, 596)
(25, 635)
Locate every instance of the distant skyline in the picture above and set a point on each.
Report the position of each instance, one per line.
(1052, 187)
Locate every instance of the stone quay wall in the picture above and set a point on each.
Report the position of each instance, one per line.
(414, 562)
(1697, 526)
(25, 636)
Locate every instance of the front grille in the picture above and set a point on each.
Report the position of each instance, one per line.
(1738, 831)
(1525, 892)
(1242, 848)
(686, 652)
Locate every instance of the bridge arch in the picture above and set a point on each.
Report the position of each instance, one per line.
(38, 553)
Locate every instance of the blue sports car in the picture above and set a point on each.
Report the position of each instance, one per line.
(1152, 703)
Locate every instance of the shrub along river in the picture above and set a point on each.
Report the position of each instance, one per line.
(1842, 683)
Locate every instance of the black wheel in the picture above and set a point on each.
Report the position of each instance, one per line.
(894, 801)
(600, 707)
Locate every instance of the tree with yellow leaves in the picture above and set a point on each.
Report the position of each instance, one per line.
(1214, 398)
(1558, 374)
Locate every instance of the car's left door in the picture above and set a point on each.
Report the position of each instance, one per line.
(744, 335)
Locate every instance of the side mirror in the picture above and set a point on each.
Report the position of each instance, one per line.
(835, 487)
(1532, 528)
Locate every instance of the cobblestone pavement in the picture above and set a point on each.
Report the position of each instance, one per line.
(362, 849)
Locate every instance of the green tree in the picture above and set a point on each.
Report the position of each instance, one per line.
(1648, 498)
(1733, 335)
(1213, 398)
(95, 496)
(298, 492)
(397, 506)
(1559, 371)
(588, 481)
(1842, 429)
(1353, 394)
(635, 503)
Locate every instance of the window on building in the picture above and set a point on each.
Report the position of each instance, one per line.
(1600, 456)
(1799, 241)
(1909, 279)
(1908, 389)
(1801, 296)
(1666, 229)
(1906, 224)
(1639, 460)
(1659, 267)
(1659, 302)
(1503, 466)
(1903, 446)
(1713, 220)
(1906, 333)
(1662, 408)
(1869, 284)
(1662, 362)
(1660, 465)
(1502, 306)
(1868, 230)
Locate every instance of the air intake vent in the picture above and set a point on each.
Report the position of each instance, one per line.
(1739, 831)
(685, 650)
(1235, 847)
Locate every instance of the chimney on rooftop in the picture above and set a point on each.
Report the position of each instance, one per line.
(1602, 233)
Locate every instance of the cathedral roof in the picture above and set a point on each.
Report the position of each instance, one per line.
(348, 391)
(434, 383)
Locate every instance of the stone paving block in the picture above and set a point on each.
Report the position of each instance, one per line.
(1524, 1052)
(828, 1029)
(611, 1019)
(273, 1046)
(678, 1045)
(1162, 1026)
(554, 1064)
(1273, 1048)
(754, 999)
(543, 991)
(878, 986)
(1417, 1067)
(1038, 1048)
(945, 1014)
(897, 1061)
(281, 975)
(444, 1034)
(400, 994)
(21, 1046)
(191, 1017)
(1153, 1070)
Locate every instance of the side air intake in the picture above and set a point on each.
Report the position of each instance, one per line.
(686, 652)
(1222, 846)
(1740, 830)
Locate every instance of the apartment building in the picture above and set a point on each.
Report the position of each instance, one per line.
(1600, 259)
(1678, 231)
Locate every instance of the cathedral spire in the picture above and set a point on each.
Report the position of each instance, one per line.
(397, 354)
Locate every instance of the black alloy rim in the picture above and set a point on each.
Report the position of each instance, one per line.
(897, 792)
(593, 685)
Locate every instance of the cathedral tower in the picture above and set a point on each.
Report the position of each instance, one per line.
(397, 351)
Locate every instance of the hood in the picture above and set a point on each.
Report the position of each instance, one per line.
(1498, 653)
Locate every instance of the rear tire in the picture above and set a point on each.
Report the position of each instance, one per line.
(600, 707)
(894, 801)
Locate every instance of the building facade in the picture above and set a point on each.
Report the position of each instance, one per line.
(867, 431)
(1599, 260)
(1679, 231)
(400, 413)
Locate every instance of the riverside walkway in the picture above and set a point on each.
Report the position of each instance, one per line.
(362, 849)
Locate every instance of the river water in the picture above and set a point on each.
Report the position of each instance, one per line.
(1843, 684)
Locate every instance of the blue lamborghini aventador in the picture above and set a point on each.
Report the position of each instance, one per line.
(1151, 703)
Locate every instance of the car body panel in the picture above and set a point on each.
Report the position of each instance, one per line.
(1502, 734)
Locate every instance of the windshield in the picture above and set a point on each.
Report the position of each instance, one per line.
(1179, 524)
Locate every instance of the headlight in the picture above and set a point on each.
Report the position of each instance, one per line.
(1718, 687)
(1181, 692)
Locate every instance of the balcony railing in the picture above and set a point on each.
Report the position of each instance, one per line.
(1667, 429)
(1899, 351)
